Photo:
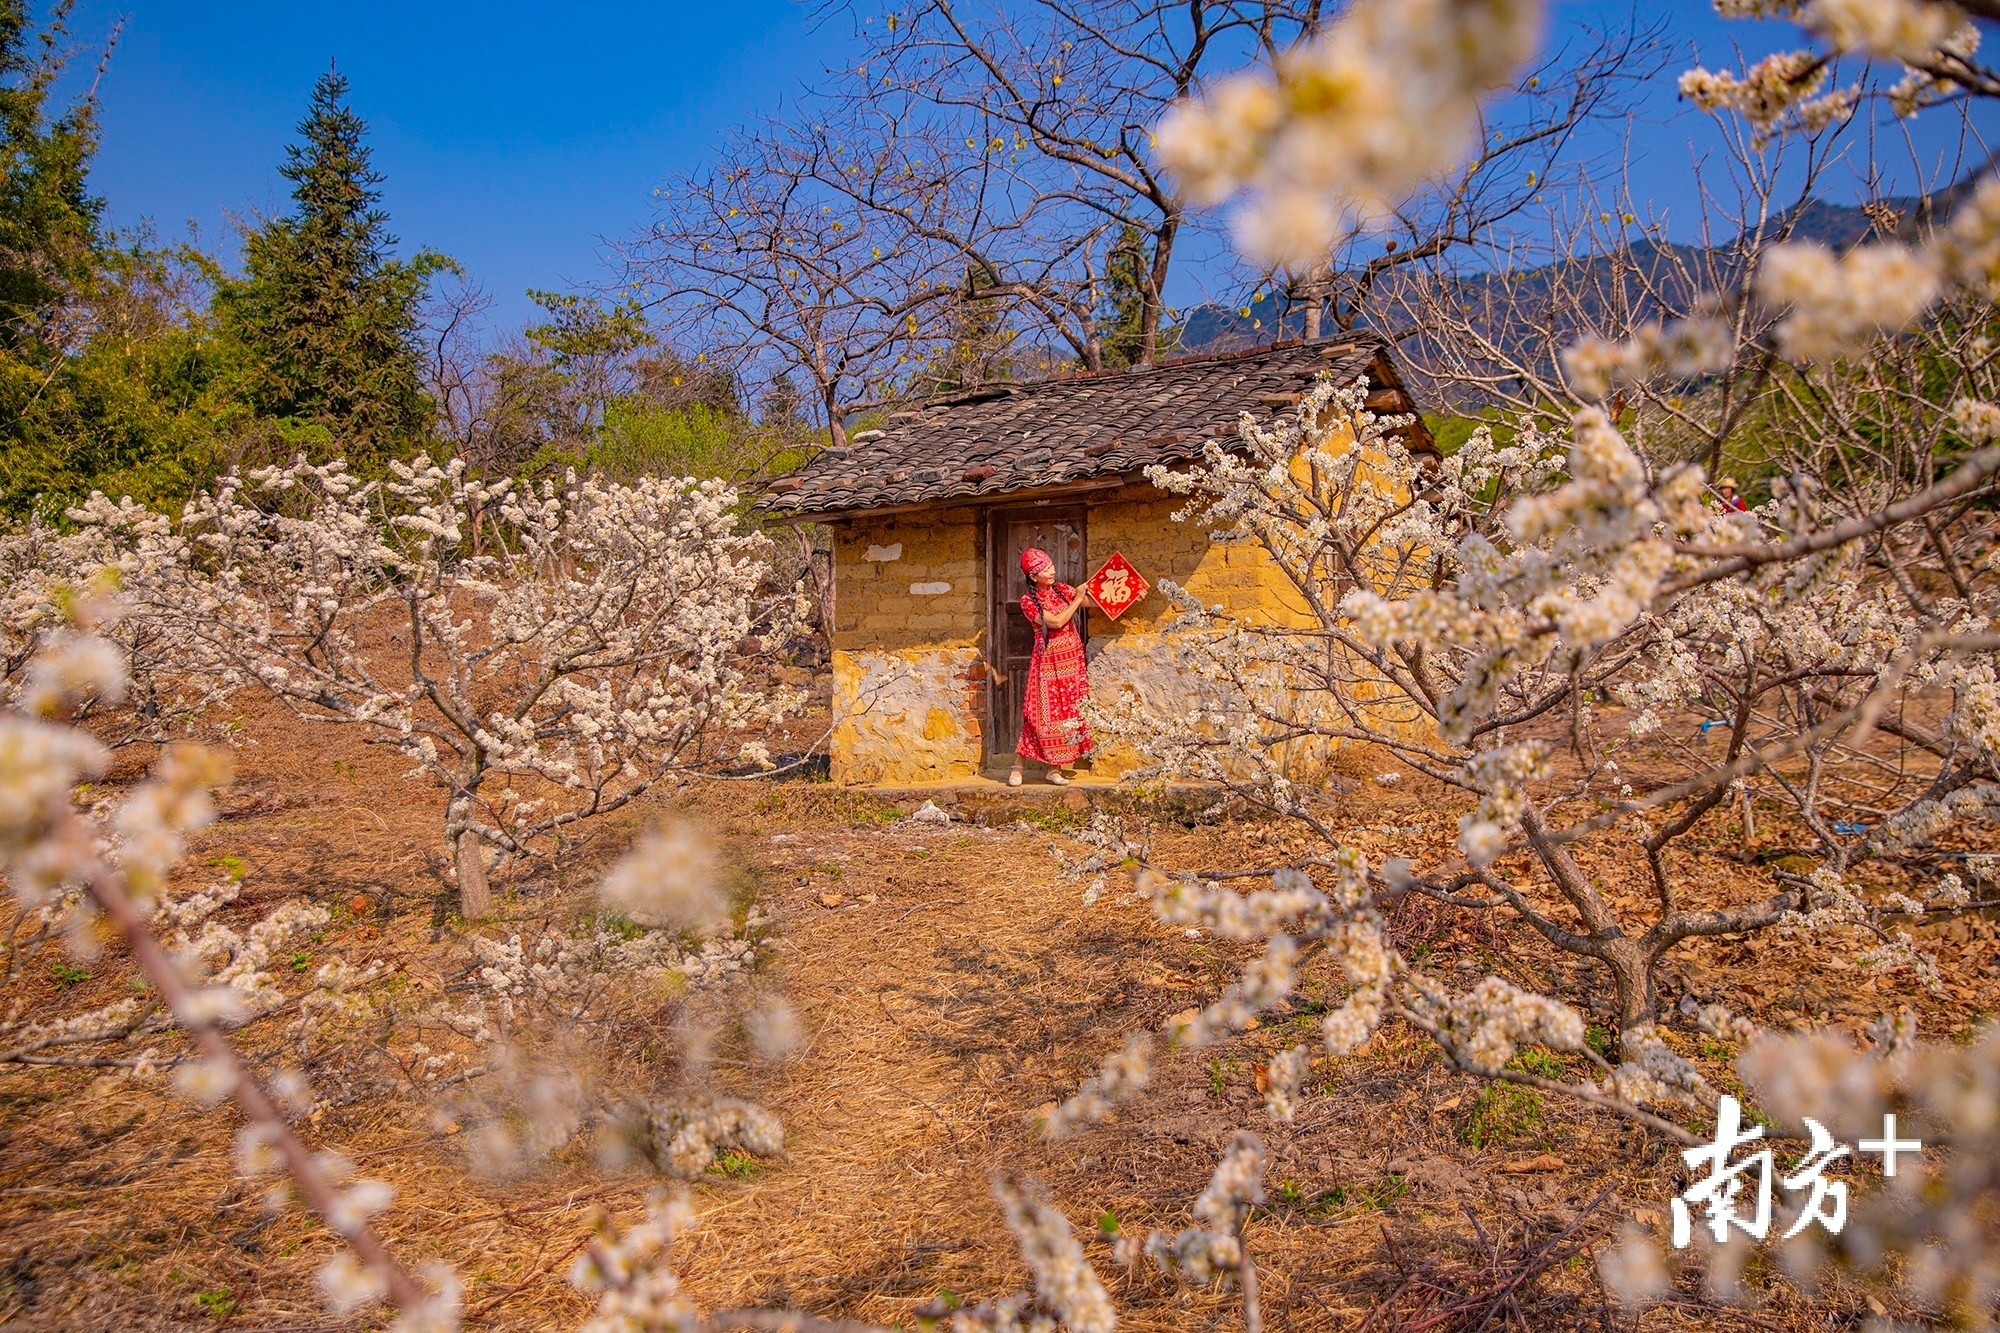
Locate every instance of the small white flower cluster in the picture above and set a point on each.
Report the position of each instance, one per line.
(1911, 31)
(1283, 1075)
(1829, 902)
(1717, 1021)
(1782, 92)
(1371, 966)
(556, 969)
(1122, 1076)
(1266, 981)
(66, 640)
(630, 1271)
(1483, 1028)
(1950, 891)
(683, 1135)
(1200, 1254)
(528, 1110)
(1835, 304)
(1938, 78)
(1500, 776)
(667, 880)
(1775, 94)
(1065, 1283)
(1842, 302)
(1684, 349)
(1233, 916)
(1900, 952)
(239, 961)
(1922, 820)
(1975, 713)
(1586, 563)
(1652, 1073)
(1978, 419)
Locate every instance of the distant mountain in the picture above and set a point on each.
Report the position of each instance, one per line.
(1838, 225)
(1219, 328)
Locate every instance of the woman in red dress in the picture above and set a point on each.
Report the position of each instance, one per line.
(1053, 731)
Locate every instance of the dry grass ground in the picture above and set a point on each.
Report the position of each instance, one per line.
(950, 981)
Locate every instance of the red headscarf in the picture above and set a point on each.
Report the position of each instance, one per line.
(1034, 562)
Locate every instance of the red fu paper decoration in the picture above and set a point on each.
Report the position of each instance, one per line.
(1116, 586)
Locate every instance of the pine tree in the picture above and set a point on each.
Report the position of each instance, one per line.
(328, 317)
(1121, 313)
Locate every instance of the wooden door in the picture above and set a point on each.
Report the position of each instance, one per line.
(1012, 638)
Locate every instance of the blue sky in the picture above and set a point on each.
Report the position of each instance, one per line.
(513, 136)
(519, 137)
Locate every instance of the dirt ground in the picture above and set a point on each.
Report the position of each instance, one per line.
(950, 980)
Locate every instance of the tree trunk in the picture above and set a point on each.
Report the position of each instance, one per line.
(1632, 975)
(836, 420)
(475, 898)
(1153, 300)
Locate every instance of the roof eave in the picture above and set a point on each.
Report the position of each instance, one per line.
(1026, 495)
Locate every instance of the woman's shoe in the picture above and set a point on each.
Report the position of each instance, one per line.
(1058, 779)
(1014, 778)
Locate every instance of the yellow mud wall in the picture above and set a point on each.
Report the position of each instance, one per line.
(1134, 654)
(909, 628)
(909, 672)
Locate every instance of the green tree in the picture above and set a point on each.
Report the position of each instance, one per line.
(671, 380)
(105, 369)
(1121, 316)
(48, 218)
(327, 316)
(144, 407)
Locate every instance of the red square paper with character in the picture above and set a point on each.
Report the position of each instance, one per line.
(1115, 586)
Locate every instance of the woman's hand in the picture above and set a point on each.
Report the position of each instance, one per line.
(1057, 619)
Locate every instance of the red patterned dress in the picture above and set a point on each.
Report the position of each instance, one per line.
(1053, 731)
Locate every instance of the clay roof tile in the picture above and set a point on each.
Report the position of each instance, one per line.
(1006, 438)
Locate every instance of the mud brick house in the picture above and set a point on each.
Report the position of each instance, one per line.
(929, 517)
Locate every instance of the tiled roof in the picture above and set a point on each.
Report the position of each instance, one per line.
(1006, 438)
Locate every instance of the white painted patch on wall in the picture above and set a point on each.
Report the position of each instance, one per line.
(929, 589)
(885, 553)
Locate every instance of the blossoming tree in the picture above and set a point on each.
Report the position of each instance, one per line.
(48, 577)
(543, 654)
(1478, 621)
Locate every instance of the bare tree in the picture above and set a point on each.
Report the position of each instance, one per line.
(1020, 146)
(1043, 115)
(1488, 322)
(946, 195)
(768, 267)
(1530, 147)
(498, 401)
